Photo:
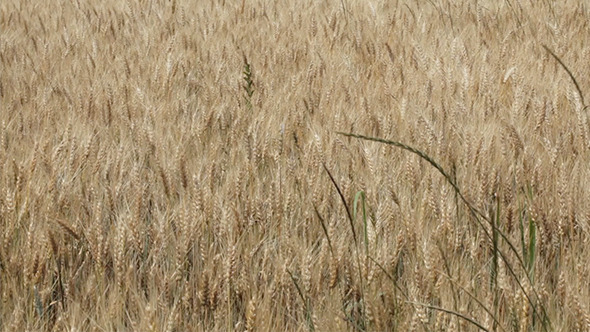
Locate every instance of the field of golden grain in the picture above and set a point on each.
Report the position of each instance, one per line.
(180, 165)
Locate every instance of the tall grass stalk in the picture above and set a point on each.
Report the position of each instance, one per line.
(476, 215)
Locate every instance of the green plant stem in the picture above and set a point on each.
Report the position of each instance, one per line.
(476, 214)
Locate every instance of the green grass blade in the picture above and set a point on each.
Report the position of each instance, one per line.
(532, 250)
(308, 315)
(495, 239)
(324, 228)
(477, 215)
(350, 218)
(361, 196)
(569, 72)
(532, 247)
(458, 314)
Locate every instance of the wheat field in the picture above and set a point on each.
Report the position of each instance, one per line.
(184, 165)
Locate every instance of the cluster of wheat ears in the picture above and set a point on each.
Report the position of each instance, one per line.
(294, 165)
